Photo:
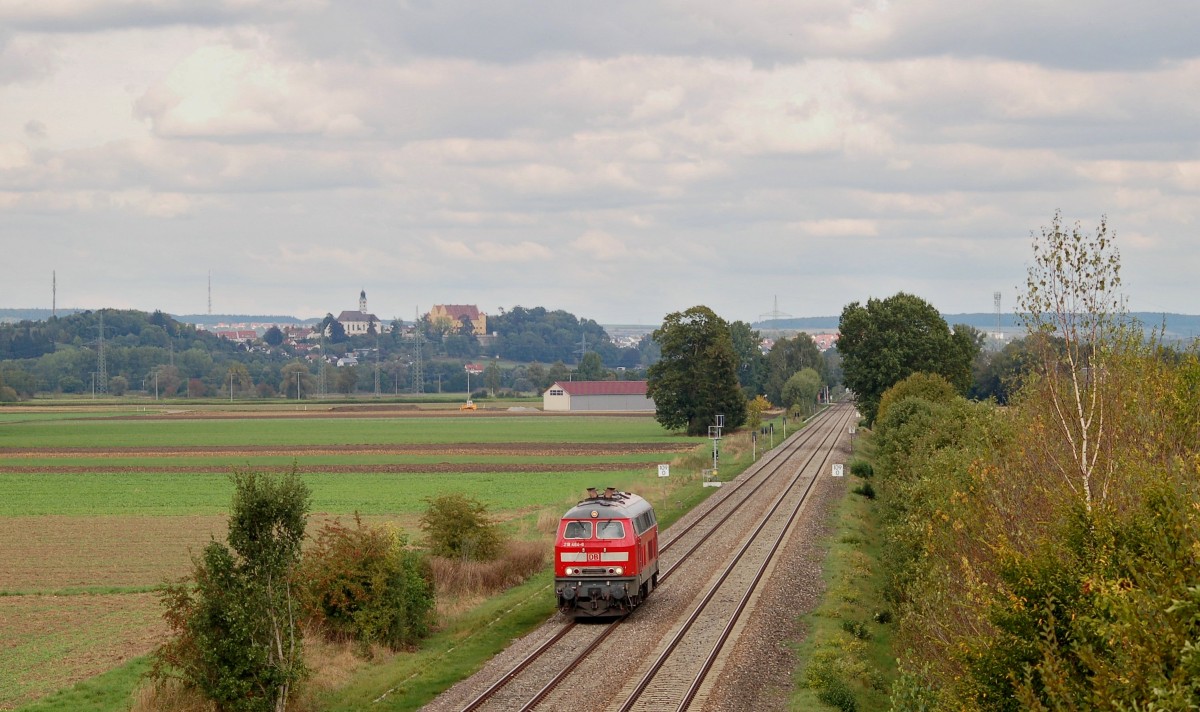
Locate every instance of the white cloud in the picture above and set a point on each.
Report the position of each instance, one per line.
(839, 228)
(600, 245)
(225, 90)
(524, 251)
(158, 205)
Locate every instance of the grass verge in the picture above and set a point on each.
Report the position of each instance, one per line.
(846, 661)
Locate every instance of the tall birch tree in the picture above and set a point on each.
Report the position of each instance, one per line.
(1075, 314)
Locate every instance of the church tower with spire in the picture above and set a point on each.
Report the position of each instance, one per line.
(362, 301)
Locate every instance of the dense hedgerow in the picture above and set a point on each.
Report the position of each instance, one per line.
(1012, 593)
(362, 583)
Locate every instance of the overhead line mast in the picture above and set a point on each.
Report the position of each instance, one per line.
(418, 372)
(774, 314)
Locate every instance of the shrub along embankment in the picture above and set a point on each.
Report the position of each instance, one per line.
(1037, 560)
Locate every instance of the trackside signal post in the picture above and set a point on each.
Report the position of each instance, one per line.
(714, 434)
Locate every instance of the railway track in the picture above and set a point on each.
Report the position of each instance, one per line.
(779, 483)
(679, 672)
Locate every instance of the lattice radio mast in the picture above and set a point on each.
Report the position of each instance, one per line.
(53, 293)
(210, 292)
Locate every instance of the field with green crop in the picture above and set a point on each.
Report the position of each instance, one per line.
(76, 430)
(100, 507)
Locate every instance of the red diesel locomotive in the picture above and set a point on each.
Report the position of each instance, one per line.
(606, 555)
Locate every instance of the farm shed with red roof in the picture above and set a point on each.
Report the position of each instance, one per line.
(577, 396)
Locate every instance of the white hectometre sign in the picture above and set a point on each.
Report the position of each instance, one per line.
(664, 470)
(837, 470)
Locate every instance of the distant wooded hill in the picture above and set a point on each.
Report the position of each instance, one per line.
(1178, 325)
(13, 315)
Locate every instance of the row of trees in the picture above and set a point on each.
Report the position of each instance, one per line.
(153, 353)
(708, 366)
(1042, 555)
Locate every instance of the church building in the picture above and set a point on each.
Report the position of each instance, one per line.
(357, 323)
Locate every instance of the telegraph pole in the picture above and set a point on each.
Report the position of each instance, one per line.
(376, 365)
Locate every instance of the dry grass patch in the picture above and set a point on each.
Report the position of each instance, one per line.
(461, 584)
(331, 666)
(169, 695)
(457, 577)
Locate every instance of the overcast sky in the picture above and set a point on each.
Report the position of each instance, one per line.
(620, 160)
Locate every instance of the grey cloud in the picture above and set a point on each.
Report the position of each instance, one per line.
(23, 59)
(1105, 34)
(1091, 34)
(79, 16)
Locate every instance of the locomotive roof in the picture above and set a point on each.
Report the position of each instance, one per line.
(619, 505)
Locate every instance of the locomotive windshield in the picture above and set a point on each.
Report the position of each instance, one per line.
(578, 529)
(611, 530)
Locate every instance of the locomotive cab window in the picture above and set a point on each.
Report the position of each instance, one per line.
(611, 530)
(578, 530)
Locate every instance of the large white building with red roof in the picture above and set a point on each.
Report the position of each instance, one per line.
(581, 396)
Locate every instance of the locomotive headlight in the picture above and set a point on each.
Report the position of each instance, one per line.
(616, 570)
(572, 572)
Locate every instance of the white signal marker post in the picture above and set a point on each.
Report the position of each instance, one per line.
(664, 470)
(838, 470)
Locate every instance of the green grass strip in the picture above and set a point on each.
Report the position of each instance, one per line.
(226, 463)
(846, 661)
(109, 692)
(158, 494)
(109, 433)
(82, 591)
